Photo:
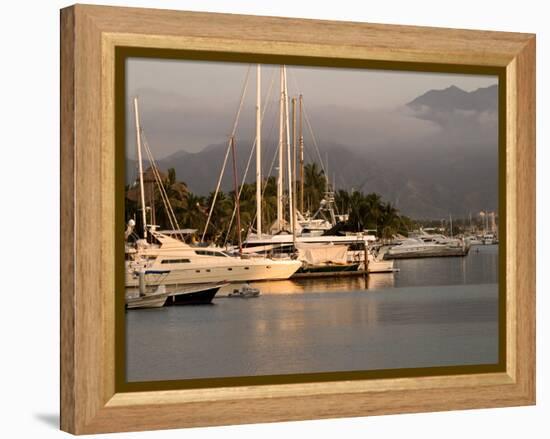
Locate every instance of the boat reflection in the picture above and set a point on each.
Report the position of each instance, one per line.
(320, 285)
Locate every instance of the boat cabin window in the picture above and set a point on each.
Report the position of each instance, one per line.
(210, 253)
(175, 261)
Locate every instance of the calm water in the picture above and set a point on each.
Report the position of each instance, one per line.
(433, 312)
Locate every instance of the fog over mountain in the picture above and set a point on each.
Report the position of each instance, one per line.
(433, 156)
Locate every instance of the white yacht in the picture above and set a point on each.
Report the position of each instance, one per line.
(413, 245)
(474, 240)
(192, 265)
(489, 239)
(418, 248)
(429, 238)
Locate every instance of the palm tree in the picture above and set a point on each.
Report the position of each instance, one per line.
(375, 206)
(194, 216)
(221, 216)
(191, 210)
(371, 212)
(390, 221)
(314, 185)
(177, 196)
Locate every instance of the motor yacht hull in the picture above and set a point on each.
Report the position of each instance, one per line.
(244, 271)
(201, 297)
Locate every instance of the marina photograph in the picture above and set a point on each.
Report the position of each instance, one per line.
(290, 219)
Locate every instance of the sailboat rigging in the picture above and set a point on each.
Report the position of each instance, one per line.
(186, 264)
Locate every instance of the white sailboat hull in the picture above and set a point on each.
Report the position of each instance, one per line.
(376, 264)
(381, 266)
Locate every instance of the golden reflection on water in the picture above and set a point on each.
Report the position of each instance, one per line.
(320, 285)
(379, 281)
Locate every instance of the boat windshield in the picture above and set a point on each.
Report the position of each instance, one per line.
(218, 253)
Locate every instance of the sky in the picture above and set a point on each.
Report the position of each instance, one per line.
(189, 105)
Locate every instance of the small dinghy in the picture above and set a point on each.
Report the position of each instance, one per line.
(246, 291)
(158, 294)
(154, 299)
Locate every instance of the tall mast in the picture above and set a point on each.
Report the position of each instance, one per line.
(236, 186)
(258, 153)
(294, 146)
(294, 167)
(140, 165)
(281, 151)
(288, 157)
(301, 159)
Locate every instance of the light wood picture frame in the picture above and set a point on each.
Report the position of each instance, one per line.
(91, 400)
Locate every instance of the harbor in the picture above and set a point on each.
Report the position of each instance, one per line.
(337, 233)
(275, 268)
(433, 312)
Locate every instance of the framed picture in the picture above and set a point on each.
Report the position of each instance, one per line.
(268, 219)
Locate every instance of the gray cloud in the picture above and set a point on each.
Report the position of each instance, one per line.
(189, 105)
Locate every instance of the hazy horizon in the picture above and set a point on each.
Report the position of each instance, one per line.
(431, 158)
(189, 105)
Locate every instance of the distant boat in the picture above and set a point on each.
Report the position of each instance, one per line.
(429, 238)
(418, 248)
(246, 291)
(489, 239)
(474, 240)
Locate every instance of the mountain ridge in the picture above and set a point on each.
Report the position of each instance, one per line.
(454, 171)
(455, 98)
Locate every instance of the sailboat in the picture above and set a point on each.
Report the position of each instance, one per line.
(304, 236)
(188, 264)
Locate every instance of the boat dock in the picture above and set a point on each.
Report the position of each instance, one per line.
(449, 252)
(320, 274)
